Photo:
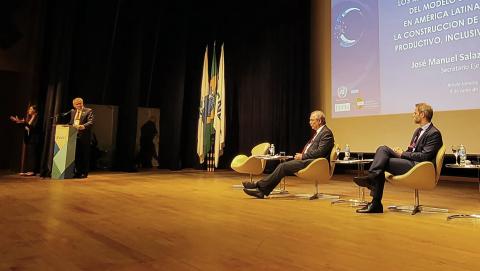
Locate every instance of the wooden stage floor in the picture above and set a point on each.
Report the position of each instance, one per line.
(192, 220)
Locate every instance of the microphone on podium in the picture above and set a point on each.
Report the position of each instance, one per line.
(65, 113)
(61, 114)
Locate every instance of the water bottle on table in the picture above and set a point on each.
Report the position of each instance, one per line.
(272, 150)
(462, 153)
(347, 152)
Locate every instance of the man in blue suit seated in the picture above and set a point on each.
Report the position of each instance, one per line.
(425, 143)
(320, 145)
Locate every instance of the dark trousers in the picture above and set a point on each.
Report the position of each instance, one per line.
(385, 160)
(267, 184)
(82, 157)
(31, 158)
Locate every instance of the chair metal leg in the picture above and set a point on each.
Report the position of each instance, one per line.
(323, 196)
(417, 198)
(360, 202)
(317, 195)
(314, 196)
(417, 208)
(463, 216)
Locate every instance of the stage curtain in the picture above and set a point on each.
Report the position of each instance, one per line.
(150, 53)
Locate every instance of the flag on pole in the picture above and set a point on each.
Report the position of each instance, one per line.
(219, 121)
(202, 117)
(210, 105)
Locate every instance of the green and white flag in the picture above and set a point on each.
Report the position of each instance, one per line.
(202, 117)
(209, 109)
(219, 121)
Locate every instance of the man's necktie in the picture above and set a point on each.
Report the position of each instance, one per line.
(76, 120)
(416, 135)
(308, 143)
(77, 116)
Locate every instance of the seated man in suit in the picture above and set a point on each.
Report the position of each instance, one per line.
(425, 143)
(320, 145)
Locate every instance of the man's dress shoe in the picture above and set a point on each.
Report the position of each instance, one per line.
(371, 208)
(249, 185)
(254, 193)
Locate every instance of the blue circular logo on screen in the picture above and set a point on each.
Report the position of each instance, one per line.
(349, 27)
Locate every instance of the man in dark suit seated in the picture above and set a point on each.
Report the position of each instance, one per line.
(320, 145)
(425, 143)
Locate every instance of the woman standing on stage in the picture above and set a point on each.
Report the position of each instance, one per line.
(31, 141)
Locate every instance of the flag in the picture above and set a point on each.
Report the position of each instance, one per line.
(202, 110)
(210, 106)
(219, 121)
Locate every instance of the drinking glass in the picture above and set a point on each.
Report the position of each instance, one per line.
(455, 152)
(360, 156)
(338, 150)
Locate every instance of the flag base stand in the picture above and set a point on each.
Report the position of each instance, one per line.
(210, 161)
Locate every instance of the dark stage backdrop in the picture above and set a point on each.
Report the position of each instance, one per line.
(20, 25)
(150, 54)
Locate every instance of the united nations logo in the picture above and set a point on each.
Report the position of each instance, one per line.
(342, 92)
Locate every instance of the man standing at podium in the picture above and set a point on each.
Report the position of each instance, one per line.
(82, 119)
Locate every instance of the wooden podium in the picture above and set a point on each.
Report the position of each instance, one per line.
(64, 152)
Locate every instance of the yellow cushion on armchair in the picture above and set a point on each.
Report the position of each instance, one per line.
(249, 164)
